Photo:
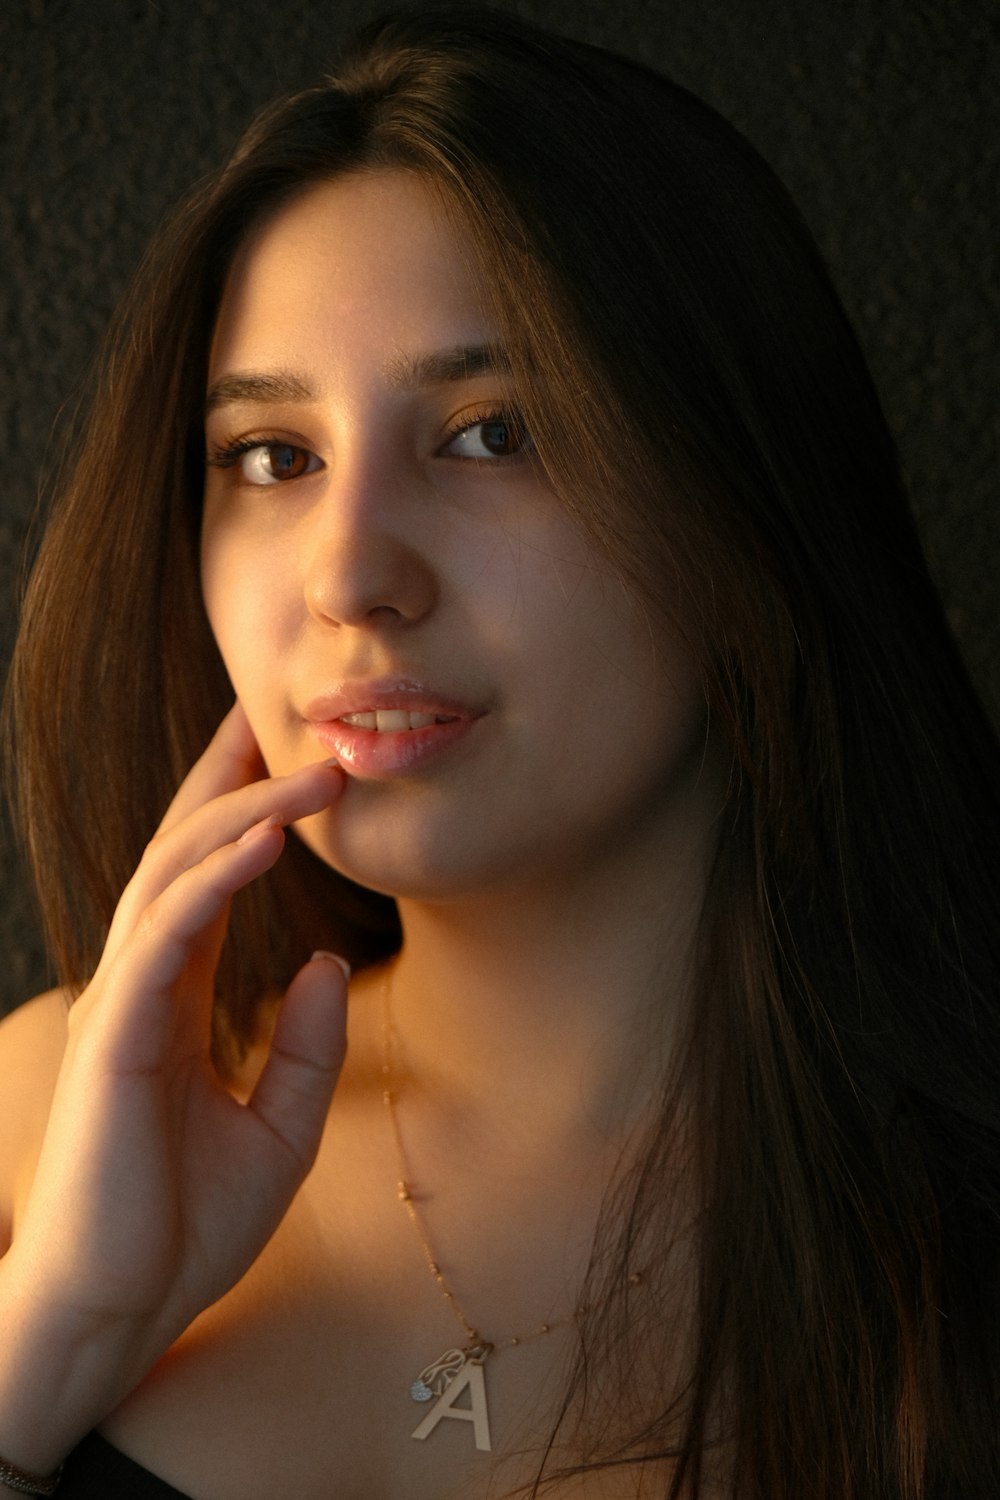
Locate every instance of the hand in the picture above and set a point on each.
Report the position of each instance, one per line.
(155, 1188)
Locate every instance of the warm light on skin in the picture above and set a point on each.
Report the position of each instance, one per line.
(397, 555)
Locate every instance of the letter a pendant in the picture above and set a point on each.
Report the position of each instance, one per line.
(456, 1371)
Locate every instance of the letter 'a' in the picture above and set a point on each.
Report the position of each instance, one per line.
(470, 1378)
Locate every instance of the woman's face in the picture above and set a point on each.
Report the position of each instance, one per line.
(391, 581)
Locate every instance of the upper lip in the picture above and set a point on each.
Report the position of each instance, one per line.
(368, 697)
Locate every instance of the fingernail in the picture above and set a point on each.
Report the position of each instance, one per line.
(258, 829)
(333, 761)
(334, 958)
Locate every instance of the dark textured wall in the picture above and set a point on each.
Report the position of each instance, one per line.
(881, 115)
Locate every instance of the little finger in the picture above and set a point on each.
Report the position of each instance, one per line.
(141, 995)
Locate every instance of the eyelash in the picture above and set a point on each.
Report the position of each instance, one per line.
(228, 455)
(503, 415)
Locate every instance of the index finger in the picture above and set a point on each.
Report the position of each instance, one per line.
(231, 759)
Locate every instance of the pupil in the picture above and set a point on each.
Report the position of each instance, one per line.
(284, 460)
(497, 437)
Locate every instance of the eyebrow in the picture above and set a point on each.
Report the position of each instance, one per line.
(258, 389)
(443, 367)
(447, 365)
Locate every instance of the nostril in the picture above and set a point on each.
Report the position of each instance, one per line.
(387, 613)
(381, 582)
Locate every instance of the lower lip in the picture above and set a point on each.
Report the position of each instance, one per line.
(369, 753)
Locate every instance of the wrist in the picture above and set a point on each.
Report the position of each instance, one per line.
(59, 1376)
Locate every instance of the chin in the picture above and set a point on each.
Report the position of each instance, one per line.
(399, 861)
(412, 858)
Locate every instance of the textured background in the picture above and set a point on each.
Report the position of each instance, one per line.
(881, 116)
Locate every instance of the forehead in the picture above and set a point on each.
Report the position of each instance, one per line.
(370, 260)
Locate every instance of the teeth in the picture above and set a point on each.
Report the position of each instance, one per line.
(393, 720)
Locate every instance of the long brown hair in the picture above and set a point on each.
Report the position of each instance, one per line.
(699, 401)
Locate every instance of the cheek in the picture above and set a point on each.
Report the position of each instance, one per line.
(237, 604)
(244, 590)
(217, 571)
(640, 697)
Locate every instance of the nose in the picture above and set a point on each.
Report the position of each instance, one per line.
(366, 558)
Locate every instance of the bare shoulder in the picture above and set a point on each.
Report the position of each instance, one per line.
(32, 1041)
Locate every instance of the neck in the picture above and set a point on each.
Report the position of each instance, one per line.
(561, 1002)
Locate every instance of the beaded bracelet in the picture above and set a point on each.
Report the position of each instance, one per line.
(28, 1484)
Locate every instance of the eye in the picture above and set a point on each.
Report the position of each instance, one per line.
(260, 462)
(492, 435)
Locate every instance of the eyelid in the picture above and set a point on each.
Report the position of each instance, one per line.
(477, 411)
(480, 415)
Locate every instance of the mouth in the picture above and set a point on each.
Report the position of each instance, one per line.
(394, 720)
(387, 729)
(385, 706)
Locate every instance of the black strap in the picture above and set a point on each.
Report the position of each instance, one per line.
(96, 1470)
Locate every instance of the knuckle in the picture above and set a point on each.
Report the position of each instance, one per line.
(149, 925)
(151, 864)
(153, 851)
(155, 946)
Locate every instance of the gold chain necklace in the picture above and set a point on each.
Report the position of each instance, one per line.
(460, 1369)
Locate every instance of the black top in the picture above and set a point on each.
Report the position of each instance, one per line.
(98, 1471)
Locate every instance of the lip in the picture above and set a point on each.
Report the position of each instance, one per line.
(380, 755)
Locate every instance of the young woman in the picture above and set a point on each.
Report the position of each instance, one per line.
(489, 428)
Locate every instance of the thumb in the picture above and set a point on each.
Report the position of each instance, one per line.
(294, 1090)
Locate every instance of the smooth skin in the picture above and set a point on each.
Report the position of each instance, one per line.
(156, 1188)
(401, 548)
